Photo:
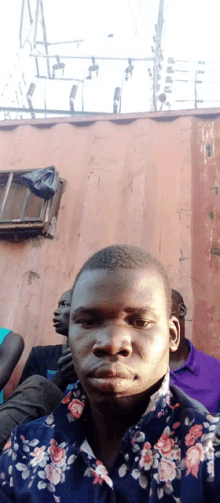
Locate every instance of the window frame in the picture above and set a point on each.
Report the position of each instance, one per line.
(39, 225)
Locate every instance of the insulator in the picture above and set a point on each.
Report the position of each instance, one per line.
(58, 66)
(31, 89)
(73, 91)
(117, 94)
(171, 61)
(170, 69)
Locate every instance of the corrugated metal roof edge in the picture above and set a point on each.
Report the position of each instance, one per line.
(203, 113)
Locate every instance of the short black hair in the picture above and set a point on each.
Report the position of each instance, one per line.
(178, 307)
(118, 257)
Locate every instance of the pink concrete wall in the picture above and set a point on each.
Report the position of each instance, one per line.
(128, 181)
(206, 235)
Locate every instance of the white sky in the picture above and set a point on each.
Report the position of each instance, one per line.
(191, 32)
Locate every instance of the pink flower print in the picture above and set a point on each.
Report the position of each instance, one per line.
(165, 445)
(194, 455)
(176, 425)
(101, 474)
(76, 408)
(194, 432)
(175, 406)
(7, 445)
(53, 474)
(146, 460)
(38, 455)
(166, 470)
(58, 455)
(209, 417)
(66, 399)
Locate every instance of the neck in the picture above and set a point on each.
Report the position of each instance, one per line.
(178, 358)
(106, 425)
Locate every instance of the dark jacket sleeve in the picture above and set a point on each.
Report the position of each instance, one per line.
(31, 366)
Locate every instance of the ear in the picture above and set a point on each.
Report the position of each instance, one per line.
(174, 328)
(182, 310)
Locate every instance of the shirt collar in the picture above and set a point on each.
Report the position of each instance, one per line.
(162, 393)
(69, 415)
(190, 362)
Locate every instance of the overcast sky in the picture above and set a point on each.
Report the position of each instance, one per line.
(190, 33)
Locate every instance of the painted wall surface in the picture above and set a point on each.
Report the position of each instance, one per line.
(134, 179)
(206, 235)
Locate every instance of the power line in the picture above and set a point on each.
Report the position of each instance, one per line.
(132, 15)
(47, 111)
(103, 58)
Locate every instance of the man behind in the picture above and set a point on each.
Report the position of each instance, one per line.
(47, 360)
(36, 396)
(122, 435)
(196, 373)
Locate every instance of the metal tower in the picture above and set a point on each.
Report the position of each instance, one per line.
(40, 61)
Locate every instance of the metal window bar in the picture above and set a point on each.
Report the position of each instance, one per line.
(27, 197)
(22, 219)
(7, 188)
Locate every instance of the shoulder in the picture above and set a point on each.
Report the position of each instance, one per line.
(207, 359)
(187, 402)
(29, 438)
(46, 350)
(192, 414)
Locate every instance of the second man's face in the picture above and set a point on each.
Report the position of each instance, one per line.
(62, 314)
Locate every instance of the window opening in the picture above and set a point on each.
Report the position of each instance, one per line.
(18, 203)
(22, 213)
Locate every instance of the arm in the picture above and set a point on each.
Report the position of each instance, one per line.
(66, 373)
(10, 352)
(31, 366)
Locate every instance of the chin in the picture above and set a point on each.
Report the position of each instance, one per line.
(60, 332)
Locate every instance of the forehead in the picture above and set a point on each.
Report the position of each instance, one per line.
(136, 288)
(65, 297)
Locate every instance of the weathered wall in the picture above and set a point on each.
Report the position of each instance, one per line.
(206, 235)
(127, 182)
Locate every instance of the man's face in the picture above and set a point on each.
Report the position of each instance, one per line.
(119, 333)
(62, 314)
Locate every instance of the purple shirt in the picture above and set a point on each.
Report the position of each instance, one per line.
(199, 377)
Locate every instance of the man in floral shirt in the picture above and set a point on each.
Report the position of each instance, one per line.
(122, 434)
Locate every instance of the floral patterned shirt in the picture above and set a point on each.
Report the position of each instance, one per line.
(171, 455)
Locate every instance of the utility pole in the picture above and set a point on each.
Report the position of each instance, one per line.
(157, 55)
(196, 101)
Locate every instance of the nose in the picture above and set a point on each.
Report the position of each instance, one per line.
(113, 340)
(56, 312)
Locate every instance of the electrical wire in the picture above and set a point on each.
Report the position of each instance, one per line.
(132, 14)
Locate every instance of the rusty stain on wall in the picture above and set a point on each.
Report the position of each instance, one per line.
(31, 276)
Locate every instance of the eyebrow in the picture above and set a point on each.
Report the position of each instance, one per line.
(129, 310)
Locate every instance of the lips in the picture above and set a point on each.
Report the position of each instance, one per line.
(56, 321)
(111, 373)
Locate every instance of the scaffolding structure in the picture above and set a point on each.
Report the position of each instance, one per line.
(50, 64)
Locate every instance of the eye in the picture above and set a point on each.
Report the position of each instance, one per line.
(139, 323)
(88, 323)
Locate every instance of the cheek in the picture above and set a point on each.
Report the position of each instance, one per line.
(154, 348)
(160, 345)
(80, 343)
